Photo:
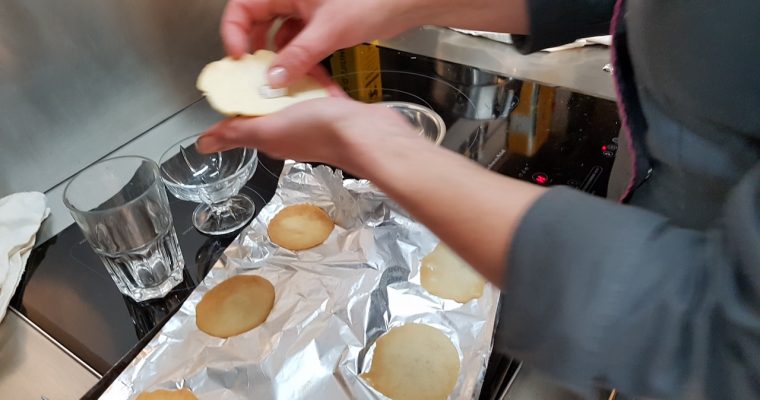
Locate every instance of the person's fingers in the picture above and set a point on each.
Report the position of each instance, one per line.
(288, 30)
(320, 74)
(318, 39)
(240, 17)
(232, 133)
(235, 28)
(266, 132)
(258, 35)
(256, 132)
(235, 38)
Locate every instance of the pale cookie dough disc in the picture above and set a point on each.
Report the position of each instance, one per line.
(233, 87)
(234, 306)
(182, 394)
(300, 227)
(414, 362)
(447, 276)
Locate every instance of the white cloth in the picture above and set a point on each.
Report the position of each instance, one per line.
(506, 38)
(21, 215)
(498, 37)
(605, 40)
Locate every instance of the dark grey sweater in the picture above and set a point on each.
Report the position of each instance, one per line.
(659, 297)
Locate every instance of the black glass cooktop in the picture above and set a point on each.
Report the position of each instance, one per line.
(522, 129)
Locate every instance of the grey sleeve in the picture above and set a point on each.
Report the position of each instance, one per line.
(554, 23)
(602, 294)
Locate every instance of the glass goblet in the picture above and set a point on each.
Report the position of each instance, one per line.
(213, 180)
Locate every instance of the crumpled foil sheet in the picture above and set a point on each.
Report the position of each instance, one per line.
(332, 303)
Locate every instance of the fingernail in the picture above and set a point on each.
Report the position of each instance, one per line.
(277, 76)
(208, 144)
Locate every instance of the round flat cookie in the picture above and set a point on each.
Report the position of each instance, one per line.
(234, 306)
(235, 87)
(414, 362)
(300, 227)
(446, 275)
(182, 394)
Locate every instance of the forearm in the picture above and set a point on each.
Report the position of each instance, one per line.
(489, 15)
(602, 293)
(554, 23)
(473, 210)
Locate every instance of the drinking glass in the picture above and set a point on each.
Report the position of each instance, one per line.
(121, 206)
(214, 180)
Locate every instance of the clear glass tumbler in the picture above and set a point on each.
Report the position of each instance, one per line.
(121, 206)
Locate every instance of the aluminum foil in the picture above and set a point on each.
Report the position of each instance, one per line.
(332, 303)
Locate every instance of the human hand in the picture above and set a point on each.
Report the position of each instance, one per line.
(337, 131)
(314, 29)
(376, 143)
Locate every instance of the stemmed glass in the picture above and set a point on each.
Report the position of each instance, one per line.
(214, 180)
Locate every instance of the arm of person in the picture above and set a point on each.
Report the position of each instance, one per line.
(474, 210)
(594, 293)
(375, 142)
(552, 23)
(597, 294)
(607, 294)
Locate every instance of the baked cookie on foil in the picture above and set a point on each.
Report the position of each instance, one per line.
(300, 227)
(414, 362)
(444, 274)
(235, 306)
(162, 394)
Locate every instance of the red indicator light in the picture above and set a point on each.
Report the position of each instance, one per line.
(604, 147)
(540, 178)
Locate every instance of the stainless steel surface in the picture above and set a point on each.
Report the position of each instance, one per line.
(57, 344)
(490, 95)
(80, 78)
(332, 303)
(468, 75)
(576, 69)
(34, 367)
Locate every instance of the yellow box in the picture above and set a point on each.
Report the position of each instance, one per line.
(357, 70)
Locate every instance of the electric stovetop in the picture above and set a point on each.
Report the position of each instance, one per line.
(541, 134)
